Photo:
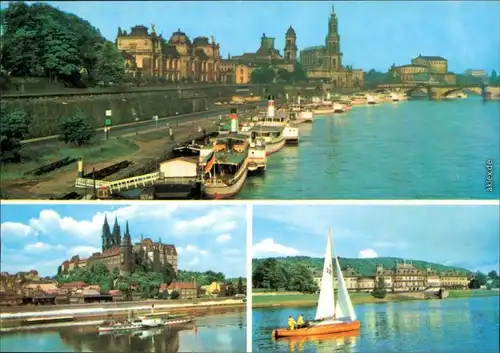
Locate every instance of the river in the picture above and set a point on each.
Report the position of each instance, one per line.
(438, 326)
(417, 149)
(221, 333)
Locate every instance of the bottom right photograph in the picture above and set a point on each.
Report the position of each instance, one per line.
(375, 278)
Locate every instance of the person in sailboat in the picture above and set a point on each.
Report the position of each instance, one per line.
(291, 323)
(300, 321)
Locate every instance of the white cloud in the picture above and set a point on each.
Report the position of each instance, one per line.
(192, 249)
(367, 254)
(14, 229)
(268, 247)
(218, 220)
(194, 261)
(41, 247)
(223, 238)
(83, 251)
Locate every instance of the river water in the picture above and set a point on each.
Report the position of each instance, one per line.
(216, 333)
(438, 326)
(417, 149)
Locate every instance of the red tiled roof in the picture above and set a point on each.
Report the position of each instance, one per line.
(114, 292)
(78, 284)
(181, 285)
(114, 251)
(35, 272)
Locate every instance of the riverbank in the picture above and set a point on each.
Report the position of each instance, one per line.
(82, 312)
(306, 300)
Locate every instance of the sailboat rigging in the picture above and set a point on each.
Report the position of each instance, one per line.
(331, 316)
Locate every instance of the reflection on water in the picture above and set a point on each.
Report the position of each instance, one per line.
(221, 333)
(346, 156)
(451, 325)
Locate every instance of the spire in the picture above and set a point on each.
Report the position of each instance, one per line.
(142, 237)
(116, 235)
(159, 240)
(127, 232)
(106, 234)
(333, 9)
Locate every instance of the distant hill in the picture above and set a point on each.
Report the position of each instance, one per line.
(365, 267)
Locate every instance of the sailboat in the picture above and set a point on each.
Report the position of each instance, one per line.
(331, 316)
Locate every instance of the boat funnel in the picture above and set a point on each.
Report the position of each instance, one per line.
(234, 120)
(298, 99)
(270, 107)
(328, 95)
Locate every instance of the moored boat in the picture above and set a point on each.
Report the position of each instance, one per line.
(338, 107)
(331, 316)
(271, 135)
(291, 135)
(114, 326)
(370, 99)
(257, 159)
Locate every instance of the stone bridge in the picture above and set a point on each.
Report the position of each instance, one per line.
(435, 92)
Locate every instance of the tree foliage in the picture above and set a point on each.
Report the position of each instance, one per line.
(262, 75)
(174, 295)
(41, 40)
(241, 289)
(478, 280)
(273, 275)
(494, 79)
(379, 291)
(76, 129)
(13, 127)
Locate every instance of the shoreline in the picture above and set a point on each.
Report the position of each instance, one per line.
(82, 313)
(294, 300)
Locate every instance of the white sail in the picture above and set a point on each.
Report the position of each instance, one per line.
(326, 302)
(344, 308)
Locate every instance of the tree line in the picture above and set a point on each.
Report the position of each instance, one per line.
(144, 281)
(265, 74)
(39, 40)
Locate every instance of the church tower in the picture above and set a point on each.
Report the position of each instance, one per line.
(290, 51)
(126, 253)
(116, 235)
(333, 54)
(105, 235)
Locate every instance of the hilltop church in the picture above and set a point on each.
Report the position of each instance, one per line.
(324, 63)
(119, 252)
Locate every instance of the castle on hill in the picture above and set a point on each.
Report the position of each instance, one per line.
(118, 251)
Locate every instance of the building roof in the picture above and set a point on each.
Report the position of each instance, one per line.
(199, 41)
(201, 54)
(181, 285)
(170, 51)
(114, 251)
(77, 284)
(139, 31)
(290, 31)
(433, 58)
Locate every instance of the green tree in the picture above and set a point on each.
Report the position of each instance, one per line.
(268, 274)
(493, 275)
(212, 276)
(168, 273)
(262, 75)
(494, 79)
(241, 289)
(229, 290)
(300, 279)
(174, 295)
(110, 65)
(105, 287)
(283, 75)
(13, 127)
(299, 74)
(379, 291)
(76, 129)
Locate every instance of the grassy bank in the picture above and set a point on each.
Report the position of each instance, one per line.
(96, 151)
(304, 300)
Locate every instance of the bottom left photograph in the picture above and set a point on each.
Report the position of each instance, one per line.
(114, 277)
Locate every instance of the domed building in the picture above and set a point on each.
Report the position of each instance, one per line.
(178, 60)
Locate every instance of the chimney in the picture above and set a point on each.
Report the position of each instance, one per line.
(270, 107)
(234, 120)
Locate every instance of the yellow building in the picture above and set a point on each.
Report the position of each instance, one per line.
(408, 278)
(366, 284)
(215, 288)
(177, 59)
(454, 279)
(436, 64)
(324, 63)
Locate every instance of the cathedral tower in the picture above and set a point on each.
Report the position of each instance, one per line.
(333, 54)
(126, 253)
(105, 235)
(116, 234)
(290, 51)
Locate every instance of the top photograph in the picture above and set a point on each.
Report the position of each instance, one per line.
(251, 100)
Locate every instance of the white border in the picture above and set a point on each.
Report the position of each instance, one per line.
(263, 202)
(249, 223)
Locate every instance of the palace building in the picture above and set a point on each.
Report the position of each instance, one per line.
(178, 60)
(119, 252)
(425, 69)
(324, 63)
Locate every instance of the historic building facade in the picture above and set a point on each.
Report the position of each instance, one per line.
(324, 63)
(424, 69)
(178, 59)
(119, 252)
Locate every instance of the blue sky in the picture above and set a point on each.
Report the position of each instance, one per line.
(42, 236)
(373, 34)
(464, 236)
